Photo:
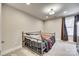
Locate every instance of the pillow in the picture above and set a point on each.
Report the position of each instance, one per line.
(36, 36)
(36, 40)
(46, 36)
(35, 33)
(27, 36)
(33, 39)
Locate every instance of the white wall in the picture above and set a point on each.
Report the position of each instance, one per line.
(14, 22)
(54, 25)
(0, 27)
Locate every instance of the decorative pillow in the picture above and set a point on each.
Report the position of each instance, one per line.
(46, 36)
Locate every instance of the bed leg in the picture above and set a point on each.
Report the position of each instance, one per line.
(41, 49)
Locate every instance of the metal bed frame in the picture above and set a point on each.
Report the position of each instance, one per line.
(34, 46)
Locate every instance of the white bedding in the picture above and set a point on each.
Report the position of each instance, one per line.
(32, 38)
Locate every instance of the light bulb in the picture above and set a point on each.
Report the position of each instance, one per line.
(28, 3)
(51, 12)
(65, 11)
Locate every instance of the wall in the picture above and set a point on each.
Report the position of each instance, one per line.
(54, 25)
(0, 29)
(14, 22)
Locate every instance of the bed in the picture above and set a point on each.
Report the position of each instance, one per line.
(37, 41)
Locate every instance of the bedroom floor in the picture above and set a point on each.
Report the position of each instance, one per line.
(60, 48)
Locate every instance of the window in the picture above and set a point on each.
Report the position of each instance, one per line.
(78, 28)
(69, 21)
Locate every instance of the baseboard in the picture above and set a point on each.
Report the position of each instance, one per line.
(10, 50)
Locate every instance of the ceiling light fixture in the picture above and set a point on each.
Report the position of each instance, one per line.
(65, 11)
(28, 3)
(51, 12)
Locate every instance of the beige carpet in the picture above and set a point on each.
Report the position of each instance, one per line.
(60, 48)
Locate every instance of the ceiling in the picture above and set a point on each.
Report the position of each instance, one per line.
(40, 10)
